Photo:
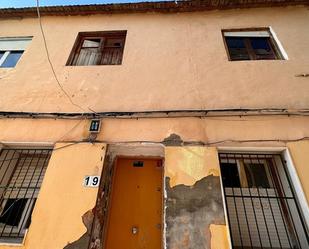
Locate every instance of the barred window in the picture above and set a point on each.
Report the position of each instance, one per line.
(21, 176)
(262, 209)
(98, 48)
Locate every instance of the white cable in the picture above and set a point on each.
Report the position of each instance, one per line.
(49, 60)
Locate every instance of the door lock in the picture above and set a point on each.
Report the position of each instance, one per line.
(134, 230)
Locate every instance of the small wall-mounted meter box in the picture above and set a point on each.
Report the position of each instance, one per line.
(95, 125)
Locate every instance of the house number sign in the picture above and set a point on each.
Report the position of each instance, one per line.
(91, 181)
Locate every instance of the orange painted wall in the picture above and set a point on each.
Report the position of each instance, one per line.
(171, 61)
(63, 200)
(156, 129)
(300, 156)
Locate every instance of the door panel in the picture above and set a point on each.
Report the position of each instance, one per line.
(136, 205)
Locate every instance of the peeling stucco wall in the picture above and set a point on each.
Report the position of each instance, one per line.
(192, 173)
(186, 165)
(194, 204)
(61, 210)
(83, 241)
(190, 211)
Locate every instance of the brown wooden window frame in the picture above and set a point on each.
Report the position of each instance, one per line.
(252, 55)
(103, 36)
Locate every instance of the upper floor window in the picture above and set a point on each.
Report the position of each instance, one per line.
(21, 175)
(248, 44)
(262, 208)
(11, 49)
(98, 48)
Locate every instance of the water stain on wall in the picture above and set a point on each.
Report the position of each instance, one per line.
(190, 210)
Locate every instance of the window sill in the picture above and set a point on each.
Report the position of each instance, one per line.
(11, 244)
(93, 65)
(258, 60)
(4, 242)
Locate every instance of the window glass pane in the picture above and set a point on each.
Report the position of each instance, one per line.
(230, 175)
(98, 48)
(91, 43)
(262, 48)
(21, 179)
(90, 53)
(114, 43)
(112, 52)
(13, 211)
(237, 48)
(28, 221)
(12, 59)
(256, 175)
(88, 56)
(1, 53)
(111, 56)
(261, 218)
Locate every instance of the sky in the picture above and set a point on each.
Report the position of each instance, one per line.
(31, 3)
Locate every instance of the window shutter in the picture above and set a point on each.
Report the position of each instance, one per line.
(247, 34)
(14, 44)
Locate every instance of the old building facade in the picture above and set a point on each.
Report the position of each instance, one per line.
(172, 125)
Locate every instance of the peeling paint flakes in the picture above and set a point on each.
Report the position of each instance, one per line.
(191, 210)
(190, 164)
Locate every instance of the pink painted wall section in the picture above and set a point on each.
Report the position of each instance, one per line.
(171, 61)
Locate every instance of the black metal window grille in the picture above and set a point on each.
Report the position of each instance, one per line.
(21, 176)
(261, 206)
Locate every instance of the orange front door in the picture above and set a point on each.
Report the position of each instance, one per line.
(136, 205)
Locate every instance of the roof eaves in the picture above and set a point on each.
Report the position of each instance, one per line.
(160, 6)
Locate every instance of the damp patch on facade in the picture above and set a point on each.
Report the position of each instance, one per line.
(190, 211)
(172, 140)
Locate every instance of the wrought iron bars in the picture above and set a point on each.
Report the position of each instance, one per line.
(21, 176)
(262, 209)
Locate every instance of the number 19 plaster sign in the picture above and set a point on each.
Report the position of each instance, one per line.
(91, 181)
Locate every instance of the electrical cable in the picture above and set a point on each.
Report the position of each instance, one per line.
(184, 143)
(77, 124)
(49, 60)
(181, 113)
(187, 142)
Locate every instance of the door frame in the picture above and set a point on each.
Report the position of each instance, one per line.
(115, 165)
(101, 211)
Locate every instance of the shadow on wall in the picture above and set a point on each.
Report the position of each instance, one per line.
(190, 212)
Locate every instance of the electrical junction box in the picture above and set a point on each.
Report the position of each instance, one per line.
(95, 126)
